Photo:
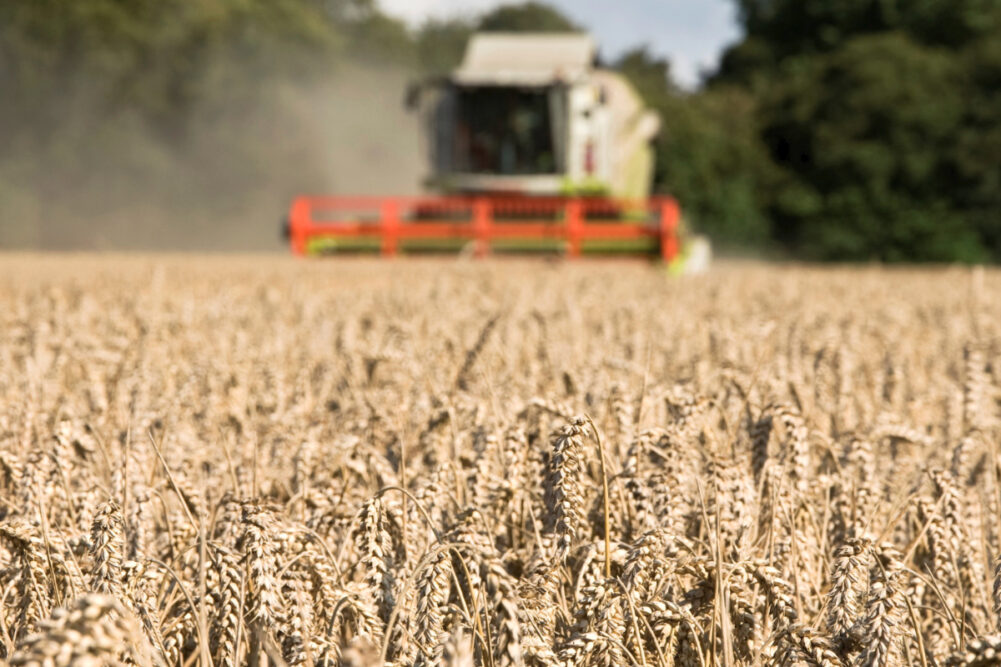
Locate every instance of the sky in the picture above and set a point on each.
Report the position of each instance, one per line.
(690, 33)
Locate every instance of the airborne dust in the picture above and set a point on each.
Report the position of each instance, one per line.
(110, 183)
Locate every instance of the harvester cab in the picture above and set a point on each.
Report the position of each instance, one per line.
(530, 147)
(529, 114)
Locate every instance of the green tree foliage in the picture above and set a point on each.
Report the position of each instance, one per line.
(441, 43)
(977, 175)
(162, 58)
(880, 120)
(526, 17)
(792, 27)
(868, 153)
(710, 157)
(150, 53)
(650, 75)
(708, 154)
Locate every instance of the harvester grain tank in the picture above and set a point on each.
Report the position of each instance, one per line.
(529, 147)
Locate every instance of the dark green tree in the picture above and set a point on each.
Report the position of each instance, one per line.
(976, 168)
(708, 154)
(441, 43)
(792, 27)
(879, 118)
(649, 74)
(527, 17)
(864, 135)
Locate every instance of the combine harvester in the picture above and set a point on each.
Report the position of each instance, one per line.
(532, 148)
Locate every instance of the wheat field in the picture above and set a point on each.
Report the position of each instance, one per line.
(249, 461)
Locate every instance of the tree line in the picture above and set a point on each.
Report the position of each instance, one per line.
(856, 130)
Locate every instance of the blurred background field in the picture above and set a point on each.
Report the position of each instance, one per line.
(858, 130)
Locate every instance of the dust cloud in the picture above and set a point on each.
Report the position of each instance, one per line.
(111, 184)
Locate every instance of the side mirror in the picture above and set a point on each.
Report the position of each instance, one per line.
(412, 99)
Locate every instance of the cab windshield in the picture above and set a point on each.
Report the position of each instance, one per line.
(505, 130)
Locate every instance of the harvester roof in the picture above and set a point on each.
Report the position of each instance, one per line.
(528, 59)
